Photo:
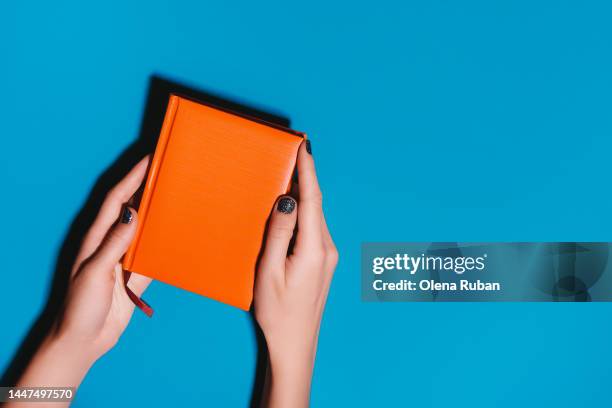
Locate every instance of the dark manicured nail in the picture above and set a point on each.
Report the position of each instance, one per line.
(126, 216)
(286, 205)
(308, 147)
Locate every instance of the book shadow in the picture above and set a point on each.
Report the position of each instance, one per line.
(159, 92)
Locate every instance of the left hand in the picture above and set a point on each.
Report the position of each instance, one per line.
(97, 307)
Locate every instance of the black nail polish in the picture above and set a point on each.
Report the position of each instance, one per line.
(286, 205)
(126, 216)
(308, 147)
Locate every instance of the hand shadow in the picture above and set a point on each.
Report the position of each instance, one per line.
(155, 108)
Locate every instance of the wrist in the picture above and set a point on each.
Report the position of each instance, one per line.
(292, 353)
(74, 351)
(60, 362)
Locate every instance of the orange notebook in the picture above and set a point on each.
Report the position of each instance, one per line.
(211, 186)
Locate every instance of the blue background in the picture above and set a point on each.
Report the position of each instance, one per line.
(430, 121)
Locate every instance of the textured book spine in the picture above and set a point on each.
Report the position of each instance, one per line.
(154, 169)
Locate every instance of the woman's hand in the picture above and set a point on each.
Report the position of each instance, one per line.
(97, 308)
(291, 288)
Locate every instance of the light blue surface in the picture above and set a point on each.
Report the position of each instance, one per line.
(430, 121)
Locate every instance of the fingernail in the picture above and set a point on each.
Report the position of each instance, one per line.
(308, 147)
(286, 205)
(126, 216)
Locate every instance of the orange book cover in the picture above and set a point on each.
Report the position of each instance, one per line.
(211, 186)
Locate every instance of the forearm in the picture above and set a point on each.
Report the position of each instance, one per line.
(290, 375)
(57, 363)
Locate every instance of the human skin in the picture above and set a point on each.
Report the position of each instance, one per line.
(97, 307)
(290, 293)
(291, 289)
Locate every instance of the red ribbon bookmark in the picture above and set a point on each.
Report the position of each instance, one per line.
(138, 302)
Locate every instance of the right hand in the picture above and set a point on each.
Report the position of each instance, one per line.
(291, 289)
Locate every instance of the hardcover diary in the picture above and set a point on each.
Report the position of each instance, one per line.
(211, 186)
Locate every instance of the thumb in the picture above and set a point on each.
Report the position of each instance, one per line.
(116, 242)
(280, 231)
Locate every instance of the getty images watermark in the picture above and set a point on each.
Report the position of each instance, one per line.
(489, 271)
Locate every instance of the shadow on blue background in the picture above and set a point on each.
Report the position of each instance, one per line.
(430, 121)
